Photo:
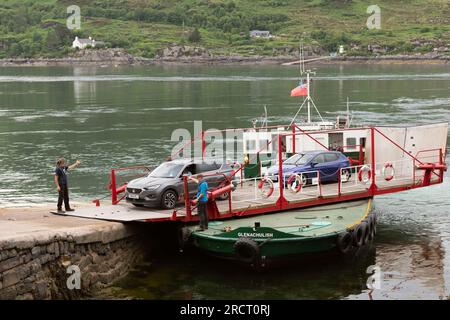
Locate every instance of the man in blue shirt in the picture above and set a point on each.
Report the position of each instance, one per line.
(202, 200)
(61, 183)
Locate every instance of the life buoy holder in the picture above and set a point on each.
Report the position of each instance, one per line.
(298, 179)
(261, 187)
(365, 174)
(388, 171)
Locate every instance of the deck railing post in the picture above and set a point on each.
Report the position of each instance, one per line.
(280, 169)
(293, 139)
(339, 182)
(113, 187)
(318, 183)
(187, 200)
(361, 156)
(229, 196)
(203, 145)
(372, 140)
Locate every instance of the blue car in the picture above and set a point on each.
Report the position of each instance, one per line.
(328, 163)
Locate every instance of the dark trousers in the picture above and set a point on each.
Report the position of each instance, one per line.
(63, 196)
(203, 214)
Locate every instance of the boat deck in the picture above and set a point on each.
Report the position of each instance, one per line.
(123, 212)
(246, 197)
(308, 222)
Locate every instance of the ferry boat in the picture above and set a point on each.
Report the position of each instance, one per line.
(382, 160)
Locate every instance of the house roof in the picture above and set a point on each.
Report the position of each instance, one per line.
(85, 41)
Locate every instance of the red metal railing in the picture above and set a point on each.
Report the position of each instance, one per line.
(281, 203)
(115, 191)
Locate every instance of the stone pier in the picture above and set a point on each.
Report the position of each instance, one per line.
(40, 253)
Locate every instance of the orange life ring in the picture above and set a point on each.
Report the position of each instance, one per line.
(364, 169)
(388, 176)
(299, 183)
(261, 185)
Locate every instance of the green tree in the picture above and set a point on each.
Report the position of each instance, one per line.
(195, 36)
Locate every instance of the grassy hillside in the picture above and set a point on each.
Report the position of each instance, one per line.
(34, 28)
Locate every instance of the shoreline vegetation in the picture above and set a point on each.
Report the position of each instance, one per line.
(117, 57)
(143, 32)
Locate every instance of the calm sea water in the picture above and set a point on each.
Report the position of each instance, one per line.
(125, 116)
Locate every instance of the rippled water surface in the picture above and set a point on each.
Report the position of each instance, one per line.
(125, 116)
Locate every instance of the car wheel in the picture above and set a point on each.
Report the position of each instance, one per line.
(169, 199)
(138, 205)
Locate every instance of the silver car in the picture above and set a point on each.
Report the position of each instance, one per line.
(164, 187)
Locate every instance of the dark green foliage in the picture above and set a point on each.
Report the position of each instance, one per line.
(30, 28)
(195, 36)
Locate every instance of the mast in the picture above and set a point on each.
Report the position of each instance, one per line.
(308, 97)
(308, 100)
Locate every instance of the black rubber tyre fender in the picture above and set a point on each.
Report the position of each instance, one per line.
(344, 242)
(372, 227)
(359, 234)
(367, 231)
(184, 235)
(374, 218)
(246, 250)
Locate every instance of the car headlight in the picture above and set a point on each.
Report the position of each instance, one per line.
(152, 187)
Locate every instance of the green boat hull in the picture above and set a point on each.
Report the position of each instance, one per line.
(269, 249)
(283, 235)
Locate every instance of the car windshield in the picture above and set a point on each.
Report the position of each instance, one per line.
(167, 170)
(297, 159)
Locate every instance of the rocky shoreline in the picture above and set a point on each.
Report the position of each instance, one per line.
(118, 57)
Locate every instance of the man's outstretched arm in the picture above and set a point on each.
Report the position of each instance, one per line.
(73, 166)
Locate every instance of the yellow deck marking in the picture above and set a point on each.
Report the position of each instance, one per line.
(369, 206)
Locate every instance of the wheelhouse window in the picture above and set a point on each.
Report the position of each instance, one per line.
(351, 143)
(250, 145)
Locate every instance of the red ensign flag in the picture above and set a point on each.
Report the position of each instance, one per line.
(300, 91)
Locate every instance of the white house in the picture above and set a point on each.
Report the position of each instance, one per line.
(260, 34)
(83, 43)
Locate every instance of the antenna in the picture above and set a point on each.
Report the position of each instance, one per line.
(308, 100)
(302, 58)
(264, 121)
(348, 113)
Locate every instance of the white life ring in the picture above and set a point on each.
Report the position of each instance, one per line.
(365, 174)
(388, 171)
(299, 183)
(261, 184)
